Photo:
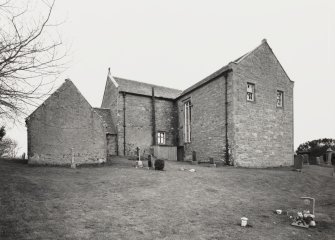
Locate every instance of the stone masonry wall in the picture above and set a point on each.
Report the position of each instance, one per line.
(110, 98)
(64, 121)
(166, 120)
(111, 145)
(207, 121)
(263, 134)
(139, 122)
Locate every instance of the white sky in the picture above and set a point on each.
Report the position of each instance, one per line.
(176, 43)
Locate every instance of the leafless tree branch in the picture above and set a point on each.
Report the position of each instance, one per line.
(30, 59)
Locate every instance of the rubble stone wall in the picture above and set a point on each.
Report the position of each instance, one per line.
(263, 132)
(66, 121)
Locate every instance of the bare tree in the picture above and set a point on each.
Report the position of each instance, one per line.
(31, 57)
(8, 148)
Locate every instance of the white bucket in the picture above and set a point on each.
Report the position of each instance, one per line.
(244, 221)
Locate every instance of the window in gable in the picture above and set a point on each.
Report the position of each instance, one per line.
(187, 121)
(250, 92)
(161, 137)
(280, 98)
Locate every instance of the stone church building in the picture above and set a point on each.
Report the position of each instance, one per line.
(242, 114)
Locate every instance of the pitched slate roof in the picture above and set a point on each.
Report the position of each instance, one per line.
(206, 80)
(241, 58)
(222, 70)
(216, 73)
(107, 119)
(141, 88)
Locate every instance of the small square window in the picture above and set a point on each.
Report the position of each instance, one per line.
(250, 92)
(280, 98)
(161, 137)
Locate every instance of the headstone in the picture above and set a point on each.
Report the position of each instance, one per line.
(298, 161)
(312, 160)
(306, 159)
(318, 161)
(309, 204)
(194, 156)
(138, 153)
(329, 156)
(325, 158)
(212, 162)
(149, 162)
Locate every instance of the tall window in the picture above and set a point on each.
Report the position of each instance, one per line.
(187, 121)
(280, 98)
(161, 137)
(250, 92)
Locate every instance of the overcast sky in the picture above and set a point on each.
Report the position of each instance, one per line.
(176, 43)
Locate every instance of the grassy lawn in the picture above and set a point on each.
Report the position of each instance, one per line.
(118, 201)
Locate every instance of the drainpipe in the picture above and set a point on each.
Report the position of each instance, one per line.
(226, 117)
(153, 117)
(124, 123)
(117, 125)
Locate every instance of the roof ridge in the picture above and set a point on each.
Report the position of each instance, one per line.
(150, 84)
(205, 80)
(101, 108)
(220, 71)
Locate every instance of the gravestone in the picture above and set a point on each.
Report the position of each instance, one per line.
(138, 153)
(308, 204)
(212, 162)
(298, 161)
(149, 161)
(318, 160)
(306, 214)
(194, 156)
(312, 160)
(305, 159)
(329, 156)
